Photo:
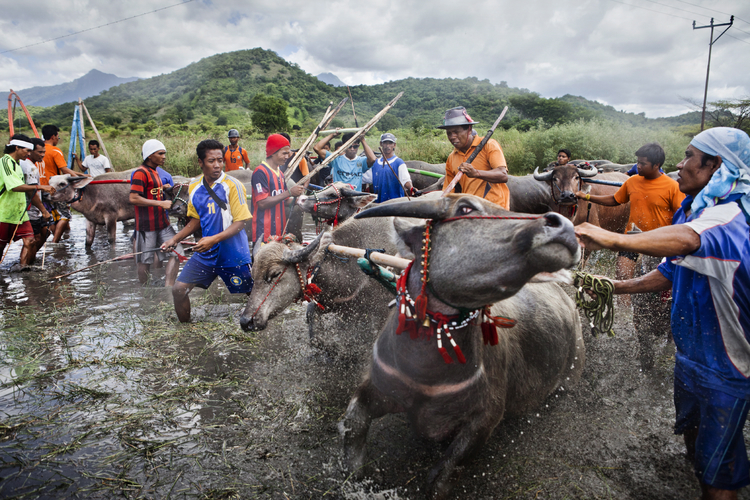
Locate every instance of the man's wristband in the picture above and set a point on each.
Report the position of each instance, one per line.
(588, 196)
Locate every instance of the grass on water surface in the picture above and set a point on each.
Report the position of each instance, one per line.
(118, 398)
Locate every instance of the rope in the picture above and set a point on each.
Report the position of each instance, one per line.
(599, 310)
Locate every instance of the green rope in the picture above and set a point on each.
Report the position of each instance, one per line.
(599, 310)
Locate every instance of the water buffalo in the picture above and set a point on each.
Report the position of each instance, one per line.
(421, 181)
(480, 254)
(101, 204)
(564, 181)
(279, 268)
(334, 204)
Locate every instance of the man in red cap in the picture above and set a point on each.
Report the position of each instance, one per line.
(270, 195)
(487, 175)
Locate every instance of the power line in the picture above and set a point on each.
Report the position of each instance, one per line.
(652, 10)
(713, 10)
(96, 27)
(738, 39)
(677, 8)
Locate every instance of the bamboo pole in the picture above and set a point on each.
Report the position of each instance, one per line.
(382, 259)
(99, 137)
(327, 117)
(356, 137)
(341, 130)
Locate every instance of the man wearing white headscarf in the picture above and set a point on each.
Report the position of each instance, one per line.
(152, 226)
(707, 266)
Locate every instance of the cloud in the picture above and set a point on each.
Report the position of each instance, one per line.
(626, 55)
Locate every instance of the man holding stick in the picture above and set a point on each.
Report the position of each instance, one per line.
(349, 167)
(486, 176)
(14, 219)
(707, 267)
(389, 175)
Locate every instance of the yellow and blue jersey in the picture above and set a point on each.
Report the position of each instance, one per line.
(234, 251)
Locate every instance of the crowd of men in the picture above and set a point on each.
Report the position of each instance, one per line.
(699, 224)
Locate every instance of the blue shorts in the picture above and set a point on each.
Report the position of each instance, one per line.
(238, 279)
(720, 455)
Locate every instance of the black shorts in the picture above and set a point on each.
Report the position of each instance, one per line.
(630, 255)
(36, 225)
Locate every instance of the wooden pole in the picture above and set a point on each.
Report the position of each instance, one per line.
(327, 117)
(377, 257)
(10, 113)
(356, 137)
(98, 137)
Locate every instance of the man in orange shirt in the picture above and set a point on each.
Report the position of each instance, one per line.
(55, 164)
(487, 175)
(654, 198)
(234, 156)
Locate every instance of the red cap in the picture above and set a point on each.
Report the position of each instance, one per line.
(274, 143)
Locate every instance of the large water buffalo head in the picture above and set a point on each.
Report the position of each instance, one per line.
(564, 181)
(67, 186)
(480, 252)
(276, 279)
(336, 202)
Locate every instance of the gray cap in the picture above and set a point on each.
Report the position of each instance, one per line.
(457, 116)
(233, 133)
(388, 137)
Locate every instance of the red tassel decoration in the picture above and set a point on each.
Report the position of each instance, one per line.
(420, 307)
(443, 350)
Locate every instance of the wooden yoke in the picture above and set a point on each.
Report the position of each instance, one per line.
(356, 137)
(327, 117)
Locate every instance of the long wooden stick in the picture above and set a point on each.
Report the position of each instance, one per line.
(377, 257)
(122, 257)
(327, 117)
(477, 150)
(351, 99)
(99, 137)
(356, 137)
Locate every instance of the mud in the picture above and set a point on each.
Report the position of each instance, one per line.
(103, 395)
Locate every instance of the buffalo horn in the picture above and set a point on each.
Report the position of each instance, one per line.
(588, 172)
(297, 256)
(545, 177)
(418, 209)
(346, 191)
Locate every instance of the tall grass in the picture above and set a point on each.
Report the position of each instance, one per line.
(523, 150)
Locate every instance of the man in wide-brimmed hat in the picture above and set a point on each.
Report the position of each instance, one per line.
(487, 175)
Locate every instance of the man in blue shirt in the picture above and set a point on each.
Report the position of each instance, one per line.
(218, 205)
(707, 266)
(349, 167)
(389, 179)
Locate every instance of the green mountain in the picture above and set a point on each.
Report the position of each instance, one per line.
(218, 91)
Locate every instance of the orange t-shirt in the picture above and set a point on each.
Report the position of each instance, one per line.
(53, 161)
(233, 159)
(302, 167)
(653, 203)
(489, 158)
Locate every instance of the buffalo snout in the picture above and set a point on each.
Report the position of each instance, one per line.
(249, 324)
(568, 198)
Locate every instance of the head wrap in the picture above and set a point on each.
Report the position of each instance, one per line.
(733, 177)
(151, 146)
(21, 144)
(274, 143)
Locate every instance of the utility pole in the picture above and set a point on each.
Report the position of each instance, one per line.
(708, 67)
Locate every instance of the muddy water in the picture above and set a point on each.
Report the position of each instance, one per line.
(103, 395)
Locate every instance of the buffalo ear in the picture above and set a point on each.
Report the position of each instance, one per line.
(364, 200)
(407, 236)
(79, 182)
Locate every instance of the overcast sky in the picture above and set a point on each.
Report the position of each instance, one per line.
(636, 55)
